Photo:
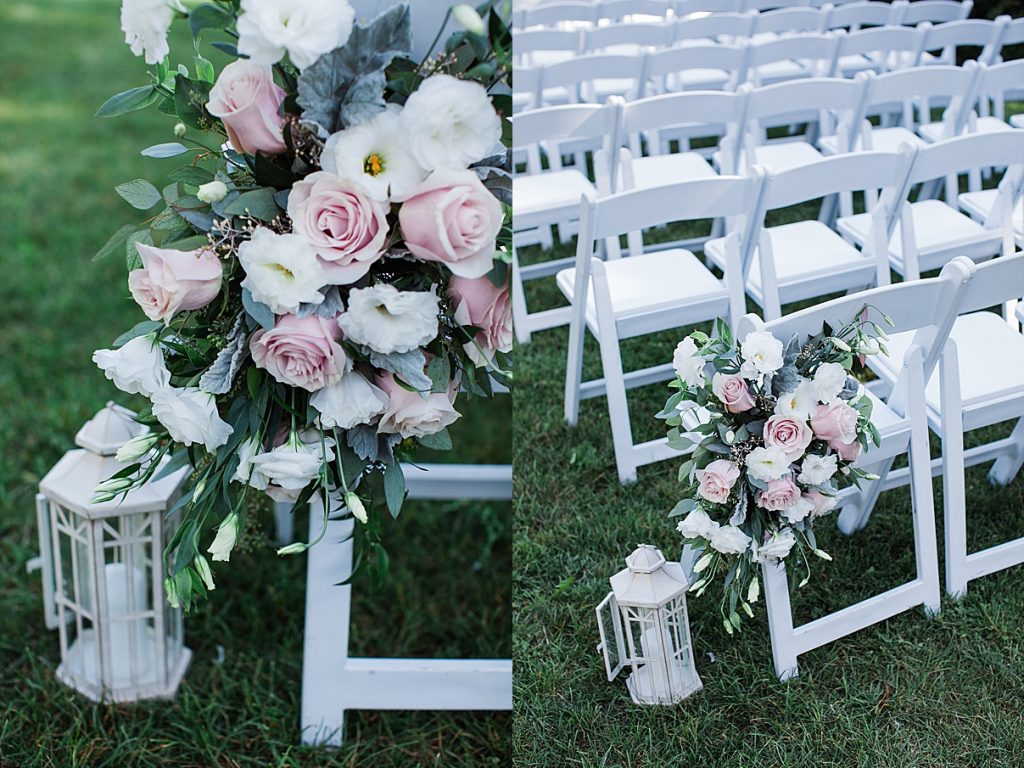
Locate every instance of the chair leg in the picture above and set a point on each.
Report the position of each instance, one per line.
(855, 514)
(574, 367)
(780, 620)
(520, 317)
(922, 496)
(1008, 465)
(618, 405)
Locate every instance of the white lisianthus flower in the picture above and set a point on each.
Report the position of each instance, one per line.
(450, 123)
(281, 271)
(800, 509)
(697, 525)
(224, 541)
(247, 473)
(767, 463)
(304, 29)
(145, 24)
(355, 506)
(829, 380)
(762, 352)
(136, 448)
(351, 401)
(374, 154)
(190, 416)
(203, 569)
(729, 540)
(688, 363)
(800, 403)
(212, 191)
(136, 367)
(388, 320)
(776, 548)
(293, 465)
(468, 17)
(816, 470)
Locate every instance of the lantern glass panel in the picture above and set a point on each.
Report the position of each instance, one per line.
(663, 670)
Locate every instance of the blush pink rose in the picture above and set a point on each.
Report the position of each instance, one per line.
(174, 281)
(301, 352)
(846, 451)
(790, 435)
(248, 102)
(716, 480)
(732, 390)
(409, 414)
(453, 219)
(835, 423)
(347, 227)
(822, 502)
(780, 494)
(480, 303)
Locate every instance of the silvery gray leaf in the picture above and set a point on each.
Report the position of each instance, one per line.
(364, 441)
(261, 313)
(792, 351)
(498, 181)
(850, 389)
(408, 366)
(499, 157)
(329, 308)
(198, 219)
(346, 86)
(739, 512)
(219, 377)
(281, 198)
(786, 379)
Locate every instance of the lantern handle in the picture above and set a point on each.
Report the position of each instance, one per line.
(611, 606)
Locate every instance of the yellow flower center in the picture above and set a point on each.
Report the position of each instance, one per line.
(373, 165)
(283, 270)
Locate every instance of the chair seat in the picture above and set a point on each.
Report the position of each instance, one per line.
(933, 131)
(979, 204)
(780, 70)
(602, 89)
(784, 155)
(660, 170)
(804, 252)
(891, 139)
(550, 191)
(938, 228)
(698, 78)
(851, 65)
(650, 281)
(1017, 121)
(990, 355)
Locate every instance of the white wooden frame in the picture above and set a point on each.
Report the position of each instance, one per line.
(334, 682)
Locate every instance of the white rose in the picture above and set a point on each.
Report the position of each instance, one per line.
(305, 29)
(351, 401)
(224, 541)
(374, 155)
(212, 191)
(688, 363)
(816, 470)
(293, 465)
(729, 540)
(777, 547)
(762, 351)
(800, 403)
(697, 525)
(190, 416)
(829, 380)
(388, 320)
(145, 24)
(281, 271)
(767, 464)
(450, 123)
(800, 509)
(136, 367)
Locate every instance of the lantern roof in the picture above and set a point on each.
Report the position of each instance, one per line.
(73, 480)
(648, 580)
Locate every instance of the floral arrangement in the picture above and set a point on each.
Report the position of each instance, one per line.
(773, 431)
(325, 273)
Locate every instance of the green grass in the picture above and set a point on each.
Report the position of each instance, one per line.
(449, 592)
(910, 691)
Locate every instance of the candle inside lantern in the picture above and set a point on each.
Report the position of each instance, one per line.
(657, 650)
(130, 644)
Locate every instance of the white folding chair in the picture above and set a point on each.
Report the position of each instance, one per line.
(922, 308)
(934, 11)
(717, 27)
(807, 259)
(991, 206)
(980, 383)
(646, 293)
(931, 232)
(525, 89)
(879, 49)
(1012, 35)
(334, 682)
(558, 14)
(942, 42)
(634, 10)
(541, 47)
(703, 67)
(792, 58)
(627, 39)
(996, 85)
(543, 198)
(773, 5)
(859, 14)
(684, 8)
(786, 22)
(592, 79)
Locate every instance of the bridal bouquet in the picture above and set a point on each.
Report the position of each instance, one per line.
(773, 431)
(327, 270)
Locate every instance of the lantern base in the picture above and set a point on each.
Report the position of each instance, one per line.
(647, 687)
(78, 671)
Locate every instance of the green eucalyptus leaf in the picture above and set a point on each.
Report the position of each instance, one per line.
(258, 203)
(128, 101)
(170, 149)
(115, 242)
(394, 488)
(139, 194)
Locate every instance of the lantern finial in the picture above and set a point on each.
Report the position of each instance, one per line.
(646, 558)
(108, 430)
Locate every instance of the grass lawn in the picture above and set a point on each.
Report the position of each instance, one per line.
(910, 691)
(449, 592)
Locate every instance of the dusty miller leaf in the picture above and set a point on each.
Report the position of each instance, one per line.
(329, 308)
(408, 366)
(218, 378)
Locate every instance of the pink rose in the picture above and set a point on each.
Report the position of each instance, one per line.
(822, 503)
(846, 451)
(732, 390)
(409, 414)
(174, 281)
(452, 218)
(835, 423)
(302, 352)
(345, 225)
(780, 494)
(788, 434)
(482, 304)
(248, 102)
(716, 480)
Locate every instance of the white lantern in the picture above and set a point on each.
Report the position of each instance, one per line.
(645, 614)
(103, 570)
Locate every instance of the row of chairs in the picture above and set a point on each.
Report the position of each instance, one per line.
(865, 12)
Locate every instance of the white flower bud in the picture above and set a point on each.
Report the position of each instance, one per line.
(822, 554)
(111, 487)
(179, 130)
(213, 191)
(470, 20)
(136, 448)
(296, 548)
(224, 541)
(753, 591)
(171, 590)
(355, 505)
(203, 568)
(703, 563)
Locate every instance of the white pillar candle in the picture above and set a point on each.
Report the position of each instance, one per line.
(126, 594)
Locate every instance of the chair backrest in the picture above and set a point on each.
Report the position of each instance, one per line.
(994, 282)
(647, 35)
(919, 85)
(554, 14)
(785, 20)
(841, 173)
(820, 48)
(773, 5)
(884, 41)
(935, 11)
(963, 153)
(861, 13)
(532, 40)
(999, 80)
(617, 10)
(771, 104)
(684, 8)
(727, 26)
(730, 58)
(1014, 33)
(525, 87)
(671, 109)
(977, 33)
(579, 72)
(573, 121)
